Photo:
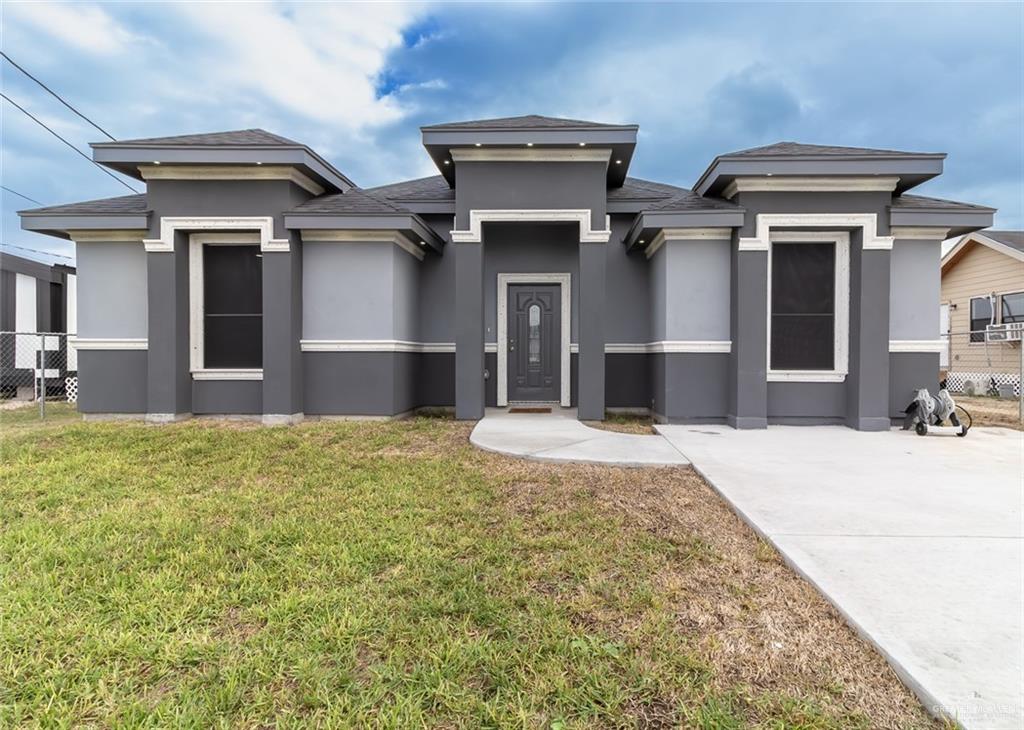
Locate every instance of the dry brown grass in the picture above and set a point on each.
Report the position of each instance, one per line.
(991, 411)
(749, 616)
(624, 423)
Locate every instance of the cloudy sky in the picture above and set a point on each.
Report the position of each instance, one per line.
(355, 81)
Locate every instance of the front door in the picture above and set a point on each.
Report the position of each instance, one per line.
(534, 338)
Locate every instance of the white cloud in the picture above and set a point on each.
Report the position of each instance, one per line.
(86, 28)
(315, 60)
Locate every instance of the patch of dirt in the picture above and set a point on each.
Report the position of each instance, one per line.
(991, 411)
(750, 617)
(234, 628)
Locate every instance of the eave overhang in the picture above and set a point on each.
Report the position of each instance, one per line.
(647, 224)
(127, 158)
(408, 224)
(912, 169)
(958, 220)
(58, 225)
(620, 140)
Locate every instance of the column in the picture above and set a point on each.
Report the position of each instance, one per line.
(592, 290)
(169, 382)
(748, 392)
(469, 330)
(867, 394)
(282, 330)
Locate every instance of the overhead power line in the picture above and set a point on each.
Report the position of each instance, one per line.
(36, 250)
(15, 192)
(41, 124)
(57, 96)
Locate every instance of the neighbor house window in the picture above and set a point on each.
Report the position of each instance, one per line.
(226, 285)
(808, 306)
(981, 317)
(1012, 308)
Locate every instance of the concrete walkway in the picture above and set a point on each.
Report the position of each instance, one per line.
(918, 541)
(559, 436)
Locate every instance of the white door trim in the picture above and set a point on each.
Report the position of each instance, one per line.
(565, 282)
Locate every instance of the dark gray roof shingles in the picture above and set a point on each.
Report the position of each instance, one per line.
(530, 121)
(797, 149)
(921, 202)
(422, 189)
(354, 201)
(235, 138)
(123, 205)
(1013, 239)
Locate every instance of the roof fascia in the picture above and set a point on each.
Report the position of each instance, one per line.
(918, 166)
(651, 220)
(58, 225)
(978, 238)
(126, 158)
(408, 223)
(29, 267)
(958, 221)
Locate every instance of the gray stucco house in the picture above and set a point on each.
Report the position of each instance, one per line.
(793, 284)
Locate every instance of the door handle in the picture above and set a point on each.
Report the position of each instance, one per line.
(511, 345)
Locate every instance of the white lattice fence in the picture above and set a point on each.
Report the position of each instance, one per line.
(71, 389)
(958, 381)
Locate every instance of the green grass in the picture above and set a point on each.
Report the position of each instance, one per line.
(336, 574)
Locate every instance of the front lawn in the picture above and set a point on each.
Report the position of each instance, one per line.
(388, 574)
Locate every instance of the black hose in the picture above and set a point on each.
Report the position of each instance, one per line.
(970, 420)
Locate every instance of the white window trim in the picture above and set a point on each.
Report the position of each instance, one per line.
(565, 282)
(813, 184)
(263, 225)
(867, 222)
(841, 331)
(474, 234)
(997, 312)
(196, 241)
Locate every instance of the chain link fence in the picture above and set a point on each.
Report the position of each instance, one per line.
(978, 365)
(37, 367)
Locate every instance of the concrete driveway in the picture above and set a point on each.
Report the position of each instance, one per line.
(918, 541)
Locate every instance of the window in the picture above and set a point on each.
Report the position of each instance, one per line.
(533, 348)
(226, 304)
(1012, 308)
(808, 306)
(981, 317)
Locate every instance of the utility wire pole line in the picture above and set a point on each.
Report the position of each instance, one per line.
(41, 124)
(58, 97)
(15, 192)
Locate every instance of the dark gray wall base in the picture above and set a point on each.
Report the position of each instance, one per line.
(435, 379)
(221, 397)
(112, 381)
(872, 423)
(807, 400)
(806, 421)
(705, 420)
(627, 380)
(908, 372)
(690, 386)
(743, 422)
(359, 383)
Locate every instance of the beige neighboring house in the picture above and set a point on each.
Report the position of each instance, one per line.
(982, 285)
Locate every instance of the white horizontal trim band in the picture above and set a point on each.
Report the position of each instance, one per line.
(919, 233)
(214, 374)
(806, 376)
(108, 343)
(230, 172)
(805, 184)
(363, 236)
(917, 345)
(497, 154)
(374, 346)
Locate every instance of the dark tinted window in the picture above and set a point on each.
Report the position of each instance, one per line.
(981, 317)
(233, 307)
(1013, 308)
(803, 306)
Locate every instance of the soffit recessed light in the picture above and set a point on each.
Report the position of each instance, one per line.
(529, 144)
(156, 162)
(618, 162)
(478, 144)
(423, 243)
(259, 163)
(447, 162)
(641, 242)
(583, 144)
